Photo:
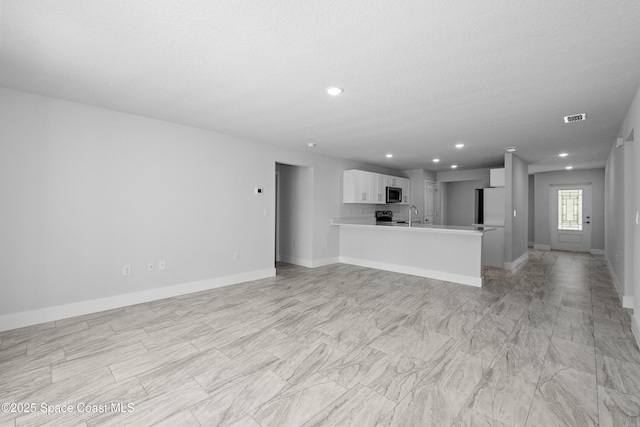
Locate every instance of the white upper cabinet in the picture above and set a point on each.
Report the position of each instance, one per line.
(405, 184)
(369, 187)
(378, 188)
(496, 177)
(362, 187)
(391, 181)
(352, 191)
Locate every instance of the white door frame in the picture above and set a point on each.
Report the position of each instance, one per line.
(569, 240)
(435, 201)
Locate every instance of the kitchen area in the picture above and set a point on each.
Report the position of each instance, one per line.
(447, 231)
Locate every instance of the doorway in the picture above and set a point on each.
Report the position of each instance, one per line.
(293, 214)
(570, 219)
(429, 202)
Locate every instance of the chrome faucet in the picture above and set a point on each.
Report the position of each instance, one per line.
(411, 209)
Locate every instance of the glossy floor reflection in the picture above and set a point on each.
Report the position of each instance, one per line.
(548, 344)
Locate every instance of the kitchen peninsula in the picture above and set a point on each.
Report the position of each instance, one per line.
(448, 253)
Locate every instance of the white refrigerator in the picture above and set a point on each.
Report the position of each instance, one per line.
(490, 210)
(493, 206)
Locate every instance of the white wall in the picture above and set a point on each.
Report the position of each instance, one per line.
(86, 190)
(516, 200)
(461, 202)
(466, 175)
(418, 178)
(442, 202)
(629, 221)
(531, 219)
(452, 197)
(630, 127)
(615, 216)
(543, 182)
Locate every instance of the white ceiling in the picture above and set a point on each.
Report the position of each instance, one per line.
(419, 76)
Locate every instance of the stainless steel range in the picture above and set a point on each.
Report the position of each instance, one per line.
(384, 216)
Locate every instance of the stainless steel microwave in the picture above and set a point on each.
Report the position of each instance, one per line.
(394, 195)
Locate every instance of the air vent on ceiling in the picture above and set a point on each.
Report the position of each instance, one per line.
(575, 118)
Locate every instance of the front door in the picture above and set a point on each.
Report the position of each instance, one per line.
(571, 217)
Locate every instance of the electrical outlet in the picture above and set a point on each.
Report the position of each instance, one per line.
(162, 265)
(126, 270)
(151, 266)
(236, 256)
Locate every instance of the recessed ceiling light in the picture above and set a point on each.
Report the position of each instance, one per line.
(389, 156)
(510, 149)
(563, 154)
(311, 144)
(459, 145)
(334, 91)
(454, 166)
(568, 167)
(436, 160)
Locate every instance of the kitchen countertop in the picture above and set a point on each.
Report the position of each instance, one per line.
(371, 223)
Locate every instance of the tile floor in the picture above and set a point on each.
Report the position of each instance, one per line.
(546, 345)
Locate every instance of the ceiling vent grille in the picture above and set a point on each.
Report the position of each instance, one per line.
(575, 118)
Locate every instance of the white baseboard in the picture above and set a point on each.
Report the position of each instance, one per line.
(635, 327)
(302, 262)
(49, 314)
(597, 251)
(627, 301)
(617, 283)
(309, 263)
(325, 261)
(542, 247)
(438, 275)
(512, 265)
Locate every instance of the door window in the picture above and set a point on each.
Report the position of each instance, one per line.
(570, 210)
